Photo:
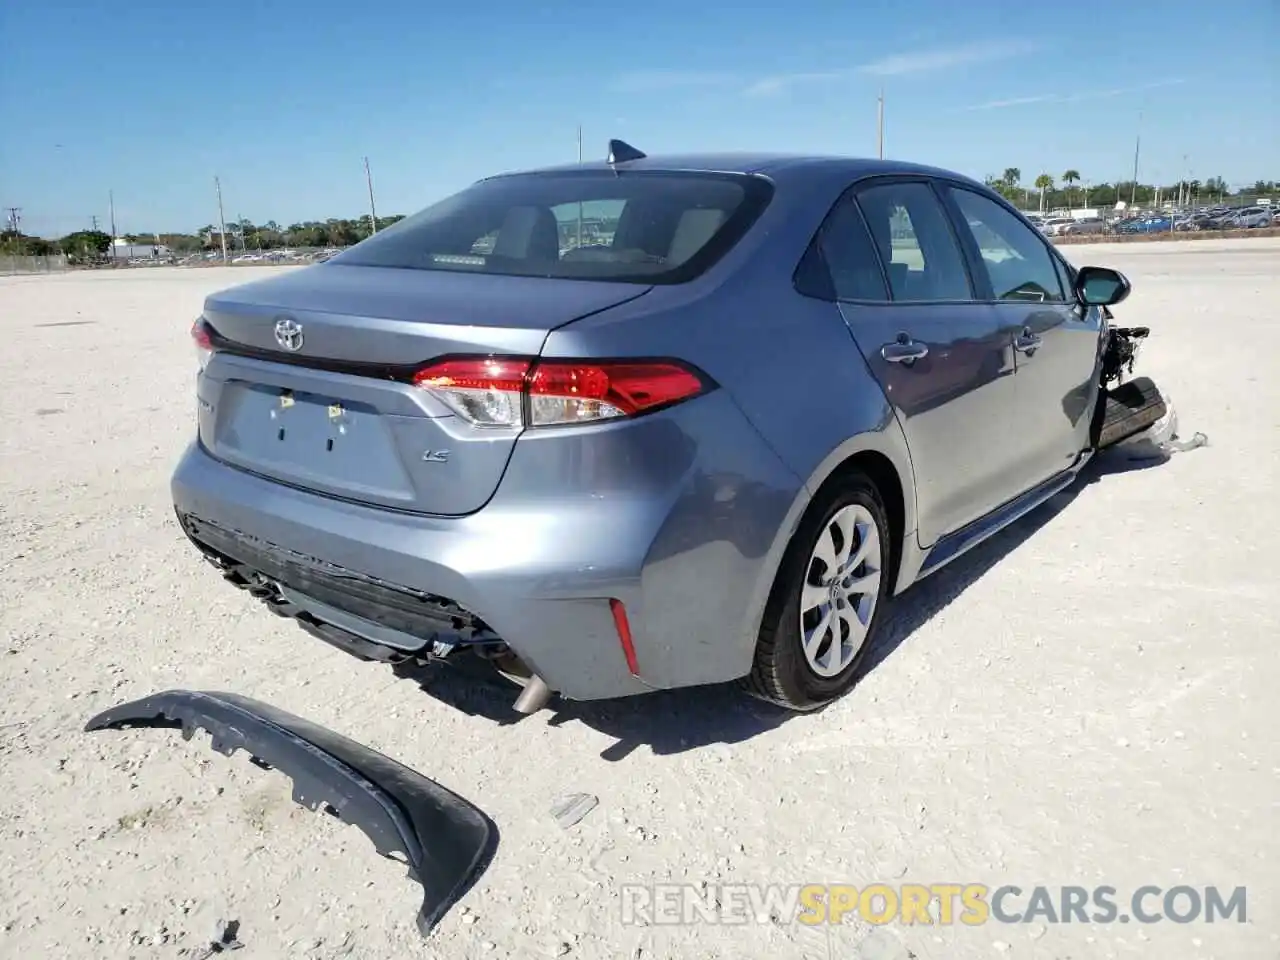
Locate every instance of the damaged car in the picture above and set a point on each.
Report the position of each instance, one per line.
(650, 422)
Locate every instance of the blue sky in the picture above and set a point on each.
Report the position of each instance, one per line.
(282, 99)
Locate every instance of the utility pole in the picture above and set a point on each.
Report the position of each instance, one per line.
(222, 220)
(579, 202)
(373, 211)
(14, 218)
(1137, 148)
(880, 124)
(95, 223)
(111, 203)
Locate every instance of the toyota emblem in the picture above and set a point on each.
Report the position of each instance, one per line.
(289, 334)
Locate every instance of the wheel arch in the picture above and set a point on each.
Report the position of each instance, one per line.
(880, 470)
(883, 456)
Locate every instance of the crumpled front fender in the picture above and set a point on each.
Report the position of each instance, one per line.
(446, 841)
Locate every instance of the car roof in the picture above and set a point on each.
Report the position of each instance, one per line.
(780, 167)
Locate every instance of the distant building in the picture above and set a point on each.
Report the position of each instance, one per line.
(123, 250)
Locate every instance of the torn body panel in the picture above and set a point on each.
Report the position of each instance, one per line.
(1120, 352)
(446, 841)
(1126, 407)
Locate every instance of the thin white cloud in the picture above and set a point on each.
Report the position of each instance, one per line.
(1014, 102)
(649, 81)
(1121, 91)
(768, 86)
(921, 61)
(940, 58)
(1074, 97)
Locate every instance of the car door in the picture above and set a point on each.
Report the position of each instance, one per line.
(940, 356)
(1056, 339)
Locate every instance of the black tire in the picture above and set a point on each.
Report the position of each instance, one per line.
(780, 673)
(1128, 410)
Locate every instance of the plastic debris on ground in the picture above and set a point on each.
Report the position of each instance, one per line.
(1161, 440)
(570, 811)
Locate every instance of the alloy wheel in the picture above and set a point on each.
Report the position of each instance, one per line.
(840, 591)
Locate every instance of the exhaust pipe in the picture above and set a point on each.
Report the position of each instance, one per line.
(535, 695)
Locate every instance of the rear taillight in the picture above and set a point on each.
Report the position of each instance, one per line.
(203, 339)
(504, 392)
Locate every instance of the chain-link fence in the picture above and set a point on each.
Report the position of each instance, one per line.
(11, 264)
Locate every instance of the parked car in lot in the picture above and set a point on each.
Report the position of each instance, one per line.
(1146, 225)
(1196, 222)
(713, 448)
(1250, 218)
(1052, 226)
(1083, 226)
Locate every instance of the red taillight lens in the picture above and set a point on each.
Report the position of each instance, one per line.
(203, 340)
(576, 392)
(492, 391)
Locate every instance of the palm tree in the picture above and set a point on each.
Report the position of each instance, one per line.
(1069, 178)
(1010, 181)
(1044, 183)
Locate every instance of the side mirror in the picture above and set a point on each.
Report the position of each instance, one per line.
(1101, 286)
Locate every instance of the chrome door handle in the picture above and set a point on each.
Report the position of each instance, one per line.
(904, 350)
(1026, 343)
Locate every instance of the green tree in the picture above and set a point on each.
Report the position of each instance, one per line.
(1217, 187)
(1044, 183)
(85, 245)
(24, 245)
(1070, 178)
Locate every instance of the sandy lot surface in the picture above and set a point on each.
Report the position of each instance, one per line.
(1086, 700)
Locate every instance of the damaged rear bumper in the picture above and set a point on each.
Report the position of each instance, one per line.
(446, 841)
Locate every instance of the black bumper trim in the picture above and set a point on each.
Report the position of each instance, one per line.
(261, 567)
(446, 841)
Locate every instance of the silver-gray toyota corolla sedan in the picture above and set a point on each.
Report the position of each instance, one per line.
(646, 423)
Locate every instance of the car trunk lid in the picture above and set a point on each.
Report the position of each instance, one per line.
(328, 404)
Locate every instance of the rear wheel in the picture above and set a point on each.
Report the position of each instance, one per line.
(827, 603)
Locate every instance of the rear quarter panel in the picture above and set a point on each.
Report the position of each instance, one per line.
(791, 368)
(789, 361)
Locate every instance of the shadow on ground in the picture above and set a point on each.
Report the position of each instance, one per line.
(675, 721)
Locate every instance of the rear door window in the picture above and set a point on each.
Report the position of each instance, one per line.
(850, 255)
(637, 226)
(915, 242)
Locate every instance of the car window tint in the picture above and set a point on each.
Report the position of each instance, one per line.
(915, 242)
(645, 227)
(1065, 277)
(850, 255)
(1018, 264)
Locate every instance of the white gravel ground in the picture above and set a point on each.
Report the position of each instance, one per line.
(1085, 700)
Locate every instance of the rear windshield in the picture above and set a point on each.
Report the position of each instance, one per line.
(634, 226)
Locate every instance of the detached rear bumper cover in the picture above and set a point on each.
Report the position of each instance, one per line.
(446, 841)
